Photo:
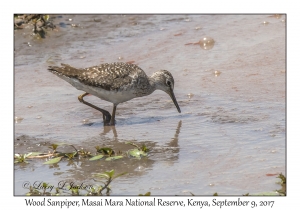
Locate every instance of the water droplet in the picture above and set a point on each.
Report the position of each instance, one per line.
(283, 20)
(211, 184)
(190, 95)
(18, 119)
(70, 19)
(265, 22)
(207, 43)
(277, 16)
(85, 121)
(140, 168)
(217, 73)
(120, 58)
(38, 117)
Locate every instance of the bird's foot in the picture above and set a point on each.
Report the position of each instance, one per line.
(109, 123)
(108, 120)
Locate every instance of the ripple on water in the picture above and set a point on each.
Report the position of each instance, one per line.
(265, 22)
(18, 119)
(190, 95)
(217, 73)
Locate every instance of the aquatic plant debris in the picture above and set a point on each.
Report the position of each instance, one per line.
(53, 160)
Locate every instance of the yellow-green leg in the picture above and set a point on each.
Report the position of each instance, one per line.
(106, 115)
(112, 120)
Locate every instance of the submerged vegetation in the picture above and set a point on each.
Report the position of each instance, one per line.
(105, 178)
(106, 153)
(102, 153)
(282, 183)
(39, 23)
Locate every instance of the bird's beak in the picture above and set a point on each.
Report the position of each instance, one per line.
(174, 100)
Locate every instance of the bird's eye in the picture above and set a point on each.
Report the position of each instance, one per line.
(169, 83)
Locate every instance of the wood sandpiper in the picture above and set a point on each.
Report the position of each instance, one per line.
(116, 83)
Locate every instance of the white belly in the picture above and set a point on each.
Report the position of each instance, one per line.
(114, 97)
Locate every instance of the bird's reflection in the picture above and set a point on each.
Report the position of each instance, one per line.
(174, 142)
(170, 151)
(136, 167)
(107, 129)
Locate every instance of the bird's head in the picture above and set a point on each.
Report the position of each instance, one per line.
(164, 81)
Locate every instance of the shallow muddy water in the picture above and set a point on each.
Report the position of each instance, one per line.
(228, 138)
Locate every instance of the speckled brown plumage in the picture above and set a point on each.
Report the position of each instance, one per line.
(109, 76)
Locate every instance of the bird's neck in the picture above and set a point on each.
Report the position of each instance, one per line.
(152, 84)
(156, 81)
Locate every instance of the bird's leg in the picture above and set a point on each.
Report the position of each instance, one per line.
(106, 114)
(112, 120)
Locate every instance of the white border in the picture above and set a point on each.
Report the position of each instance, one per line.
(154, 6)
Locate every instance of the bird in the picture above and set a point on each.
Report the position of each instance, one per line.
(116, 83)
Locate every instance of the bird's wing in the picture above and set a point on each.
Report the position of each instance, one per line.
(109, 76)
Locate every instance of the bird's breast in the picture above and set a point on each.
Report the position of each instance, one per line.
(114, 96)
